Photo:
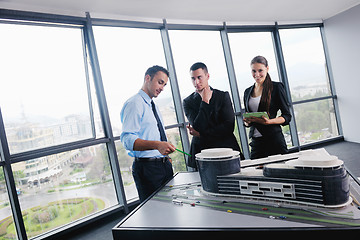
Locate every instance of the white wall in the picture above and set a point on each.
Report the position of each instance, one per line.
(342, 33)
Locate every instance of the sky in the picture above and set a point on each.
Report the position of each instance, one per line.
(42, 68)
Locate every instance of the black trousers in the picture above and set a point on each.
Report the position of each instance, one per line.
(266, 146)
(149, 176)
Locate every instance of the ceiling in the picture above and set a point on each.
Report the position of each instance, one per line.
(192, 11)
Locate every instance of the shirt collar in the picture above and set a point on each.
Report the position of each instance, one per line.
(145, 96)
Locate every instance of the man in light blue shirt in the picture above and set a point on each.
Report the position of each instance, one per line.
(143, 135)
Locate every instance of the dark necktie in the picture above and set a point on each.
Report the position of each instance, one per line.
(160, 127)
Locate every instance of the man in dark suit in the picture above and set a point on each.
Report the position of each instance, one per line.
(210, 114)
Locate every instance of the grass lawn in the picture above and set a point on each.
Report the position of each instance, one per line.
(41, 219)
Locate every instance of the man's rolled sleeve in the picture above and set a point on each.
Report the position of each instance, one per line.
(128, 140)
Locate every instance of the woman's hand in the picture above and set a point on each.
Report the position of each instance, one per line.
(263, 120)
(260, 120)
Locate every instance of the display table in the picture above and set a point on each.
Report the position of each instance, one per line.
(181, 210)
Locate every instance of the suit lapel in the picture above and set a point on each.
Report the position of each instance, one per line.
(248, 97)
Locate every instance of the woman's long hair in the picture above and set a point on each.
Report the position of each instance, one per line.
(265, 99)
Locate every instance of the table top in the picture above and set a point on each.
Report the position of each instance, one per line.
(181, 205)
(197, 210)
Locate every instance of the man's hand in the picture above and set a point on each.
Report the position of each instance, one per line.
(206, 94)
(165, 148)
(192, 131)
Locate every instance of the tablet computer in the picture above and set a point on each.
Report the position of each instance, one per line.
(256, 114)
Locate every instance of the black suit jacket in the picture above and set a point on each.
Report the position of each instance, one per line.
(278, 102)
(214, 121)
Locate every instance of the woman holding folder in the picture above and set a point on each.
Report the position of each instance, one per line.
(269, 97)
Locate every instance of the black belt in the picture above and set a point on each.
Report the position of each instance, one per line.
(151, 159)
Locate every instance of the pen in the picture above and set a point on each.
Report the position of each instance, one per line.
(182, 152)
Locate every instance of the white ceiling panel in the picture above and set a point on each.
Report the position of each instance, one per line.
(214, 11)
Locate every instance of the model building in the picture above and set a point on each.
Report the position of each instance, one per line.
(312, 177)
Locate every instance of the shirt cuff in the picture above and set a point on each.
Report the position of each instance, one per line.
(128, 140)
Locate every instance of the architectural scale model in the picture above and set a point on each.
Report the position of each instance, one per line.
(311, 177)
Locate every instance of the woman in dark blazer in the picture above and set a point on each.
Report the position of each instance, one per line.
(266, 96)
(210, 114)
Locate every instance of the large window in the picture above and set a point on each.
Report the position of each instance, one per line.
(308, 79)
(43, 93)
(190, 47)
(244, 47)
(53, 108)
(305, 63)
(125, 54)
(47, 105)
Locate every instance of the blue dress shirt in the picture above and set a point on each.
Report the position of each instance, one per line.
(138, 121)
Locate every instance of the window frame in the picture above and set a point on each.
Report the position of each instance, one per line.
(89, 47)
(332, 95)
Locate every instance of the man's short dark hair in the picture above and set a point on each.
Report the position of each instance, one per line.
(154, 69)
(198, 65)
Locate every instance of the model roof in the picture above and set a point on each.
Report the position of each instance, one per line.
(318, 158)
